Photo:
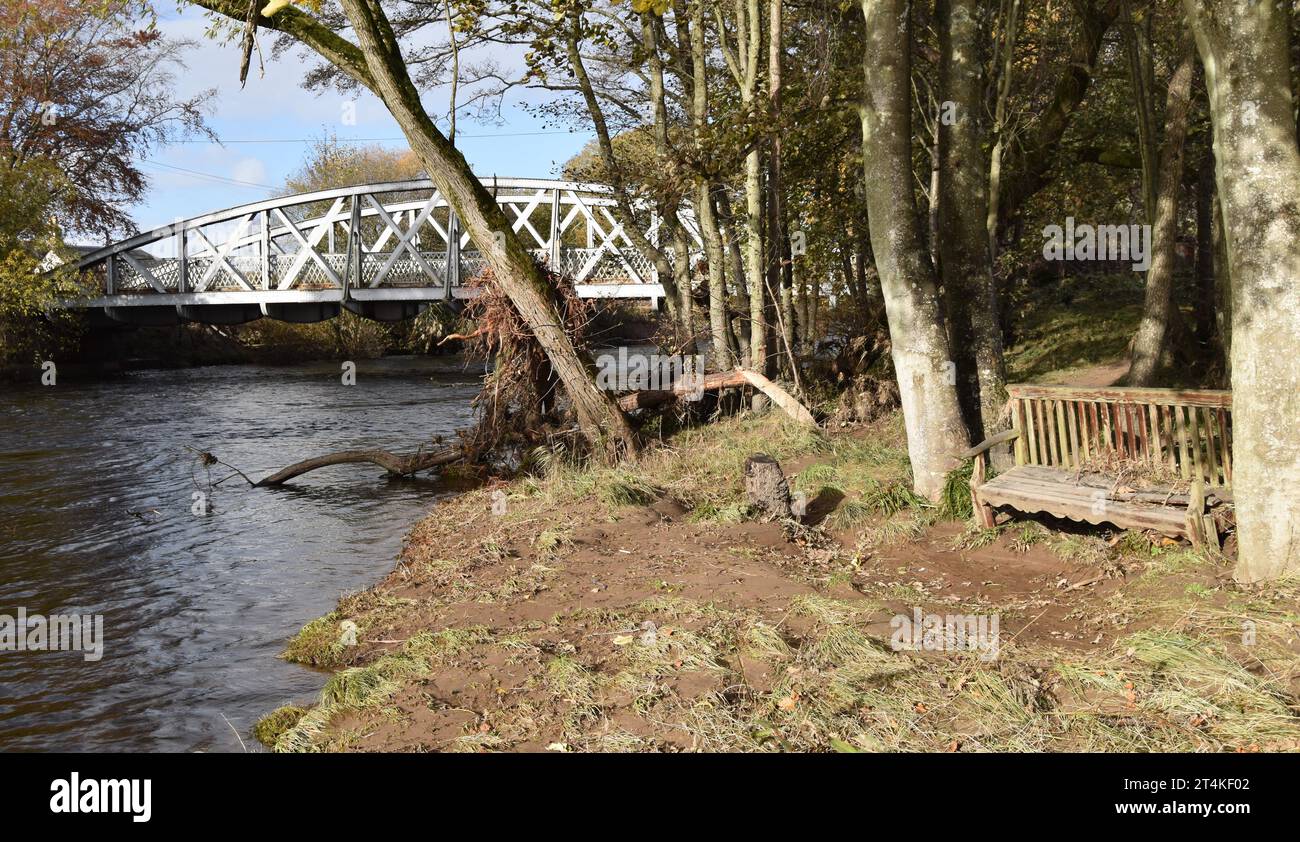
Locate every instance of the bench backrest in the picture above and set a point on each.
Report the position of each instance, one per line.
(1189, 432)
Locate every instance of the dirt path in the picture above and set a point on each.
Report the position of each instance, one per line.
(1105, 374)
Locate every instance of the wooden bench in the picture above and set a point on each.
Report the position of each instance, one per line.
(1074, 448)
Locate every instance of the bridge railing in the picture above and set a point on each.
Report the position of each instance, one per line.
(378, 236)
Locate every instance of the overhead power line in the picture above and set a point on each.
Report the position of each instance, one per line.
(366, 139)
(212, 176)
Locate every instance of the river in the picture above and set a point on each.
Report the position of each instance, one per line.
(97, 518)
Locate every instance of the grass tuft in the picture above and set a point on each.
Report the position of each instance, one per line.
(955, 502)
(271, 727)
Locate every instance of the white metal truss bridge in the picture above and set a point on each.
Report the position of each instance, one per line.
(384, 251)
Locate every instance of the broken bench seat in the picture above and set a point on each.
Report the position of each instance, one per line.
(1062, 435)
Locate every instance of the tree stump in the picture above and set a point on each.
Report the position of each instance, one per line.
(766, 487)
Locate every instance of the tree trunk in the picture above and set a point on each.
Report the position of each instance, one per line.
(1206, 333)
(754, 268)
(520, 277)
(749, 44)
(1158, 307)
(1222, 289)
(736, 264)
(1010, 17)
(719, 327)
(1032, 169)
(376, 63)
(965, 262)
(814, 304)
(780, 284)
(1137, 42)
(683, 310)
(935, 432)
(1244, 49)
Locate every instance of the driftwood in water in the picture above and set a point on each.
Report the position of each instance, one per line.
(393, 463)
(397, 465)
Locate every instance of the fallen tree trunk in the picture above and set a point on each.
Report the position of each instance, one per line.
(395, 464)
(780, 397)
(648, 398)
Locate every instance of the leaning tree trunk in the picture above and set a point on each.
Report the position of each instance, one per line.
(523, 281)
(935, 431)
(376, 62)
(1158, 306)
(1244, 48)
(965, 261)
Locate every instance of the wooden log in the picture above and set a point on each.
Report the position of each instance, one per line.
(395, 464)
(780, 397)
(647, 398)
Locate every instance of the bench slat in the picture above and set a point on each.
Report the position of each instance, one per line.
(1080, 507)
(1212, 459)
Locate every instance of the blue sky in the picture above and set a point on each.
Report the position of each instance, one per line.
(276, 108)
